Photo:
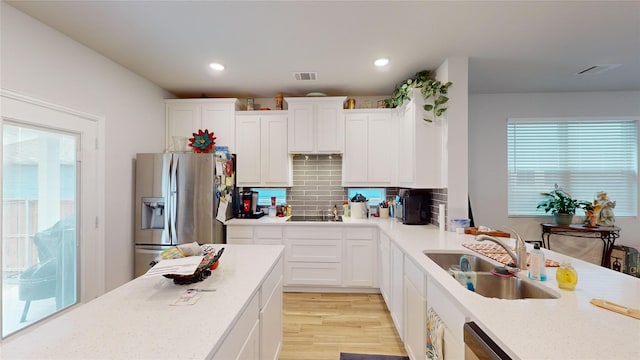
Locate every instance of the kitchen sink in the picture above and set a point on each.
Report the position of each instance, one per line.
(490, 285)
(450, 261)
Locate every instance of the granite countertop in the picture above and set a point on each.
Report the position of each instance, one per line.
(137, 320)
(565, 328)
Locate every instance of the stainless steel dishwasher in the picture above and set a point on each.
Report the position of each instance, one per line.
(479, 346)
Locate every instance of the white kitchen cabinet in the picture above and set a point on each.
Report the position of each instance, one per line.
(384, 273)
(268, 235)
(415, 305)
(271, 315)
(241, 341)
(396, 307)
(313, 256)
(360, 257)
(421, 147)
(452, 317)
(186, 116)
(369, 157)
(239, 235)
(261, 151)
(316, 125)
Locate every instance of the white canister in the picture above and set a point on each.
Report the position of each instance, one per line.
(359, 210)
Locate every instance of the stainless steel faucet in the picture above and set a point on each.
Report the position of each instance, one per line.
(520, 255)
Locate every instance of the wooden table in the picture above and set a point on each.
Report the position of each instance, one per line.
(608, 235)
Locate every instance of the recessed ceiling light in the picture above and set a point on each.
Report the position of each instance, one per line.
(216, 66)
(381, 62)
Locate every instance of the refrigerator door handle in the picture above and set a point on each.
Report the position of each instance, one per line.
(173, 198)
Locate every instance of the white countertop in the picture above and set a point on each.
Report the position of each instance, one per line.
(136, 320)
(565, 328)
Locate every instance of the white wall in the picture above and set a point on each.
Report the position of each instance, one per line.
(40, 62)
(488, 115)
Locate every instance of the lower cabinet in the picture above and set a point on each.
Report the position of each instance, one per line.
(313, 256)
(257, 335)
(384, 269)
(451, 316)
(360, 257)
(415, 303)
(396, 306)
(319, 256)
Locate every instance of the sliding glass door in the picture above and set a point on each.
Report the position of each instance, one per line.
(39, 224)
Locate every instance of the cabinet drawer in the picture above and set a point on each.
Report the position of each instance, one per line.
(270, 283)
(308, 232)
(360, 234)
(413, 274)
(268, 232)
(240, 232)
(313, 274)
(313, 250)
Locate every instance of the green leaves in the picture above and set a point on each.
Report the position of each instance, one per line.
(560, 202)
(433, 91)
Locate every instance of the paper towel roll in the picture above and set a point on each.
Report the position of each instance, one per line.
(441, 217)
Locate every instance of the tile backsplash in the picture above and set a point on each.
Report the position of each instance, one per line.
(317, 187)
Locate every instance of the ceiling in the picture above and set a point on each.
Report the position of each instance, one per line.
(513, 47)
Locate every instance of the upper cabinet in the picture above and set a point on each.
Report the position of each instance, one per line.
(421, 147)
(370, 148)
(187, 116)
(316, 125)
(262, 157)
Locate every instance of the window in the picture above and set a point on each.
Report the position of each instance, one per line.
(374, 195)
(265, 194)
(582, 156)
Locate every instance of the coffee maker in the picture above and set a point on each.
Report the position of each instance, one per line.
(416, 206)
(248, 207)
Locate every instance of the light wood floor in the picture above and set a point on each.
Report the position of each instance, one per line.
(320, 326)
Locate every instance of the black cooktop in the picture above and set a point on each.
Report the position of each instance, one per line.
(313, 218)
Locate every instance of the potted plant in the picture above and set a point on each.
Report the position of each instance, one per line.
(561, 205)
(433, 91)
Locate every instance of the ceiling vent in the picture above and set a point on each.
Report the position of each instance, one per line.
(306, 75)
(597, 69)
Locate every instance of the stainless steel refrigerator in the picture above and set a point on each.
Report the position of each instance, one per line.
(176, 201)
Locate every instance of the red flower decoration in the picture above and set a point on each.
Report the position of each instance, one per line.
(202, 141)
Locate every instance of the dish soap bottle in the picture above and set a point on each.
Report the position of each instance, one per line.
(537, 270)
(566, 276)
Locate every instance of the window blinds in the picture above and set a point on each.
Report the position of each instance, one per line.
(581, 156)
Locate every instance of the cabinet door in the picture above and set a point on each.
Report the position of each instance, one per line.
(251, 348)
(397, 289)
(301, 129)
(380, 161)
(329, 127)
(183, 119)
(384, 257)
(355, 152)
(406, 146)
(219, 118)
(360, 262)
(271, 325)
(415, 321)
(248, 163)
(276, 164)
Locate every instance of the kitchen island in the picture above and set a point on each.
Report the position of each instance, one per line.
(138, 321)
(568, 327)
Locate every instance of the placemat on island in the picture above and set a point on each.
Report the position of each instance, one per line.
(499, 254)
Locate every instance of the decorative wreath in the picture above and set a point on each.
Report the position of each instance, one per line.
(202, 141)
